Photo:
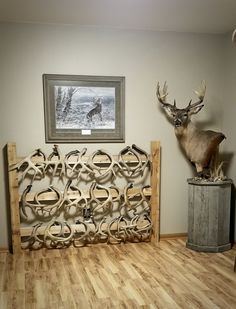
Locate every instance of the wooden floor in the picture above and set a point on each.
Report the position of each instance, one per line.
(118, 276)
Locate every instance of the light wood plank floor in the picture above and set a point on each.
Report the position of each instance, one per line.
(118, 276)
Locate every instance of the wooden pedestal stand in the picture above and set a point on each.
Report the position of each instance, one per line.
(209, 215)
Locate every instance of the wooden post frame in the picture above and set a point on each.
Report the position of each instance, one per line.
(14, 199)
(155, 186)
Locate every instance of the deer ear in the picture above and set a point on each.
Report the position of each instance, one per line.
(195, 110)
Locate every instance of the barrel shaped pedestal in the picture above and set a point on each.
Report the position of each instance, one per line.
(209, 215)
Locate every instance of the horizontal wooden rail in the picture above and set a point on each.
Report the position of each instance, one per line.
(99, 159)
(52, 196)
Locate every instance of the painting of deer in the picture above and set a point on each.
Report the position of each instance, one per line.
(200, 146)
(97, 110)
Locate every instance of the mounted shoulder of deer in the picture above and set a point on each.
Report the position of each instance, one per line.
(200, 146)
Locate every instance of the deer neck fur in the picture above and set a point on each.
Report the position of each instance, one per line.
(185, 134)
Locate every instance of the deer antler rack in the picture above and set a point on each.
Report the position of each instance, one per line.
(33, 238)
(80, 235)
(76, 201)
(27, 165)
(133, 161)
(103, 171)
(59, 238)
(56, 165)
(96, 204)
(41, 209)
(76, 169)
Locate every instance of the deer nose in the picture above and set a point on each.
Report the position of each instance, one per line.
(177, 122)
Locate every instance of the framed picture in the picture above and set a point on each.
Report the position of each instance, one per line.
(84, 109)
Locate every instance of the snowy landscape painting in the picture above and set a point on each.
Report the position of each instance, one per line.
(84, 108)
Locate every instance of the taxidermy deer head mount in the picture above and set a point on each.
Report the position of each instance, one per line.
(201, 147)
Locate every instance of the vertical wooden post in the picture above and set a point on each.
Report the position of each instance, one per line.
(155, 186)
(14, 199)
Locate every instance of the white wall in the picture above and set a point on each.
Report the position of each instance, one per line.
(27, 51)
(229, 107)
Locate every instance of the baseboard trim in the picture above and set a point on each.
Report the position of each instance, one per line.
(162, 237)
(177, 235)
(173, 236)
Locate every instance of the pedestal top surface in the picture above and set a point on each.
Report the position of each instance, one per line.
(205, 182)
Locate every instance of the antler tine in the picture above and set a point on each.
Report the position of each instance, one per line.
(202, 90)
(162, 94)
(200, 94)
